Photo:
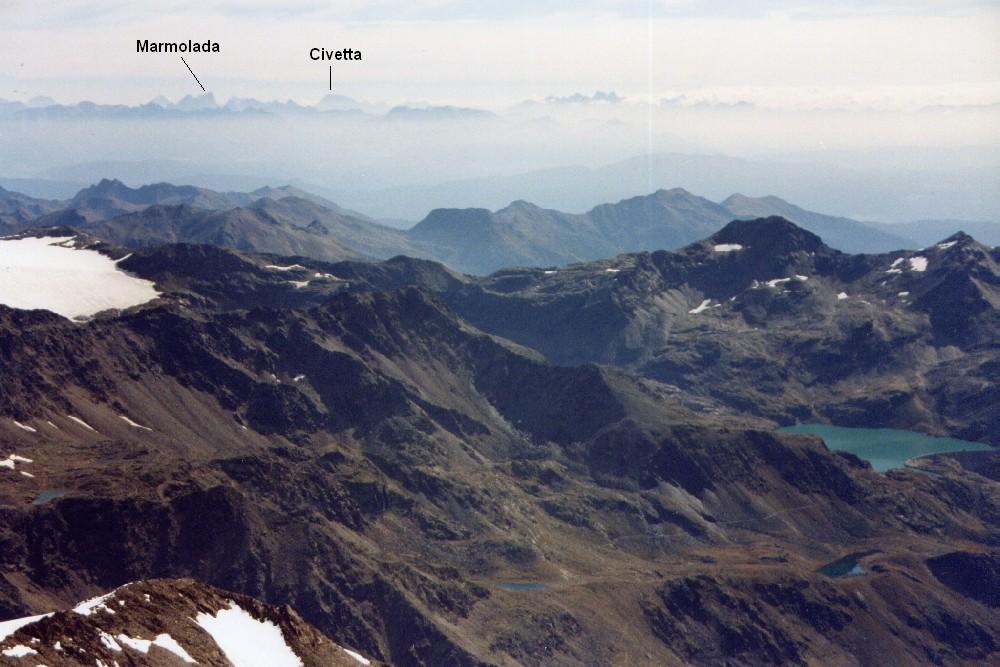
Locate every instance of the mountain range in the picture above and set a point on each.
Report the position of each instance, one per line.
(573, 466)
(290, 221)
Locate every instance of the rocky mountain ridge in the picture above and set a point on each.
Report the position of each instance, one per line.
(166, 623)
(472, 240)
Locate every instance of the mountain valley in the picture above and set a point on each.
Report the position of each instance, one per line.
(541, 466)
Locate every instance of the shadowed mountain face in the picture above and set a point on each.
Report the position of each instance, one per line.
(110, 198)
(478, 241)
(389, 449)
(250, 229)
(475, 241)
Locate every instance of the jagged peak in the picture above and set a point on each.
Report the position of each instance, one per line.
(959, 238)
(108, 184)
(773, 232)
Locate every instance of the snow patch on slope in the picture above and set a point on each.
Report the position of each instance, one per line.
(7, 628)
(357, 656)
(133, 424)
(700, 307)
(50, 274)
(82, 423)
(247, 642)
(164, 641)
(88, 607)
(13, 459)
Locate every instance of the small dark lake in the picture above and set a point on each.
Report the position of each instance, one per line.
(884, 448)
(845, 567)
(47, 495)
(521, 585)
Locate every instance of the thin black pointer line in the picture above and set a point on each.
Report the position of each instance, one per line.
(192, 73)
(331, 77)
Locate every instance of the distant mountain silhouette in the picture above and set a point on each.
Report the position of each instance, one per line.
(841, 233)
(472, 240)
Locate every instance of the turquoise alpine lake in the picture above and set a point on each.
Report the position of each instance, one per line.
(884, 448)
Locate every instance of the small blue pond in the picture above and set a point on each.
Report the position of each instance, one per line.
(521, 585)
(845, 567)
(47, 495)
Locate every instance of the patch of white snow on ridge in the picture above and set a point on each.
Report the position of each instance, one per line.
(726, 247)
(903, 294)
(550, 272)
(167, 642)
(164, 641)
(357, 656)
(946, 245)
(25, 427)
(247, 642)
(700, 307)
(841, 296)
(299, 284)
(13, 459)
(19, 651)
(7, 628)
(133, 424)
(82, 423)
(918, 263)
(293, 267)
(612, 270)
(110, 642)
(49, 274)
(88, 607)
(140, 645)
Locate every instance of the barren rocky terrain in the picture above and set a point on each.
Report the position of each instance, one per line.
(573, 466)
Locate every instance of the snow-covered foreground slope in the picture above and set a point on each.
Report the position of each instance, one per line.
(170, 622)
(246, 641)
(49, 273)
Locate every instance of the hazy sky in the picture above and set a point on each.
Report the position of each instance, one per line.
(806, 54)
